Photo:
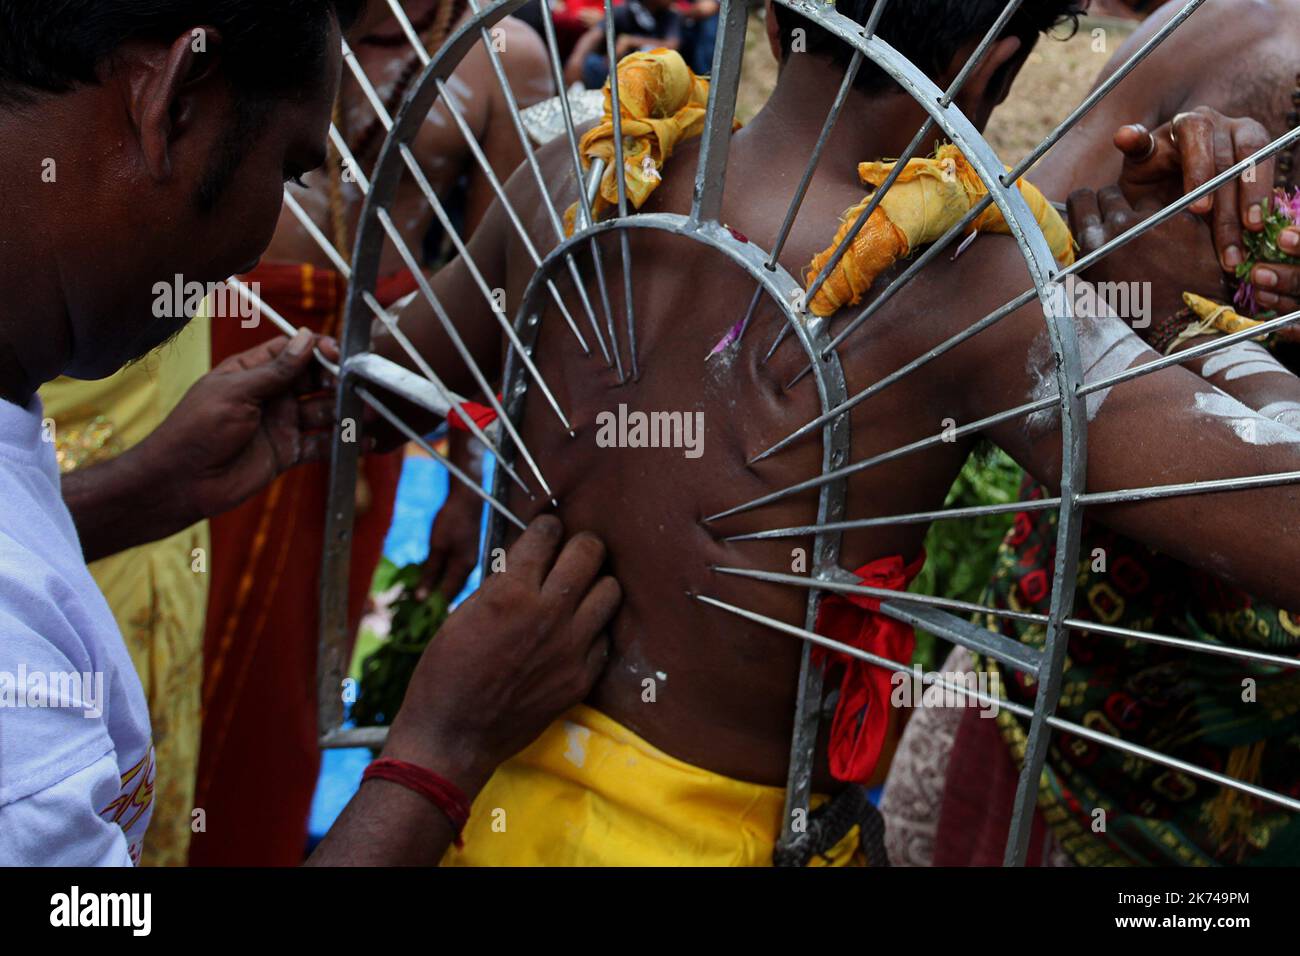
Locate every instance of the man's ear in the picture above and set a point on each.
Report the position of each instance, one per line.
(773, 31)
(990, 81)
(162, 82)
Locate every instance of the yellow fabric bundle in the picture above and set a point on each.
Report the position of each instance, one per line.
(661, 103)
(590, 792)
(929, 197)
(1212, 318)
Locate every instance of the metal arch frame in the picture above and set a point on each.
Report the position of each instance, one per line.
(1069, 376)
(346, 456)
(813, 334)
(702, 226)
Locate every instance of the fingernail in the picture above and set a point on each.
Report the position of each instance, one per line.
(1232, 257)
(1264, 277)
(300, 343)
(1255, 215)
(330, 342)
(1289, 240)
(1266, 298)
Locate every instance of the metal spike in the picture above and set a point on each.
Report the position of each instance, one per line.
(458, 343)
(1057, 723)
(412, 435)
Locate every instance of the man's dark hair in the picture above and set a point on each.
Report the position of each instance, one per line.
(927, 32)
(269, 47)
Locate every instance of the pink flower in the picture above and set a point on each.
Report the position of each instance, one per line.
(1244, 300)
(733, 335)
(1289, 204)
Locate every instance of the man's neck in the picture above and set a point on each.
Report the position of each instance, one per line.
(870, 126)
(33, 318)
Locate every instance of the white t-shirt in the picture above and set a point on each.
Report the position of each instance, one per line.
(76, 751)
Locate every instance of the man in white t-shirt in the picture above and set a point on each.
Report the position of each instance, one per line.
(146, 139)
(83, 762)
(75, 742)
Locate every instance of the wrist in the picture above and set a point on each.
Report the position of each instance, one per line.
(437, 790)
(461, 765)
(160, 472)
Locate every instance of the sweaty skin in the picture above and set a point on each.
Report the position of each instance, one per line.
(725, 688)
(1237, 56)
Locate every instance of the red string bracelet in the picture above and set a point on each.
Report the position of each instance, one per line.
(444, 794)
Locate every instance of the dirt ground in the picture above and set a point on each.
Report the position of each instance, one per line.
(1058, 75)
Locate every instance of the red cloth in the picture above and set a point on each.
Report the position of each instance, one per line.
(259, 759)
(483, 416)
(399, 285)
(978, 794)
(861, 718)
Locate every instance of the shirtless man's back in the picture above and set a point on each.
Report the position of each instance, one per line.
(724, 688)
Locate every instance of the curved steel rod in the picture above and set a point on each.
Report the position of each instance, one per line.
(403, 342)
(1028, 617)
(1057, 723)
(1014, 175)
(1080, 265)
(616, 115)
(926, 129)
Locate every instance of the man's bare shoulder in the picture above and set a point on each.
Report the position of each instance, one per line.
(985, 372)
(1228, 33)
(520, 40)
(523, 54)
(555, 161)
(954, 291)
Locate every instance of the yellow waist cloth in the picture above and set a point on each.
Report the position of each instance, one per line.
(589, 792)
(927, 199)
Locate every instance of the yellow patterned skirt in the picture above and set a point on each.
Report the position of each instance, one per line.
(589, 792)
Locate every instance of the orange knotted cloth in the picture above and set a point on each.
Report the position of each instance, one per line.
(661, 103)
(929, 197)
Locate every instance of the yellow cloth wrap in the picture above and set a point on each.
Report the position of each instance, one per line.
(589, 792)
(157, 593)
(661, 103)
(1213, 318)
(929, 197)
